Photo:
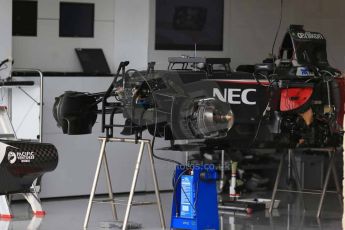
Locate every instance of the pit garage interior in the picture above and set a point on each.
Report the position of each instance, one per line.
(184, 114)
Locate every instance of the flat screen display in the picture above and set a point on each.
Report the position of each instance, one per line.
(93, 61)
(180, 24)
(77, 19)
(24, 18)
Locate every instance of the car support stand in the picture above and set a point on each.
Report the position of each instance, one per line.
(330, 169)
(7, 132)
(103, 159)
(31, 197)
(5, 211)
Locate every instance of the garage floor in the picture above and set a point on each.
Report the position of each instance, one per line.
(69, 214)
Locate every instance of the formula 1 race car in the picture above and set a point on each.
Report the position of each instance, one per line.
(296, 100)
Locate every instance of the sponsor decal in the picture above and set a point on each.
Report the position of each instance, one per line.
(234, 96)
(309, 35)
(304, 72)
(23, 157)
(12, 157)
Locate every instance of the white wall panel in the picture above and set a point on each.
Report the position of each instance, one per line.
(132, 32)
(49, 52)
(6, 33)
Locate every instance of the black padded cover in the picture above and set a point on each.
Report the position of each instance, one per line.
(22, 162)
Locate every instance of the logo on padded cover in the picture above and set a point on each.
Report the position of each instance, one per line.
(12, 157)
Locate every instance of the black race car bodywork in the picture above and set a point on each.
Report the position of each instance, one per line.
(296, 100)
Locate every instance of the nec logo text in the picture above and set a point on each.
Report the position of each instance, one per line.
(234, 96)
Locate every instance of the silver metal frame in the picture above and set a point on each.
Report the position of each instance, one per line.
(40, 129)
(103, 160)
(330, 169)
(222, 172)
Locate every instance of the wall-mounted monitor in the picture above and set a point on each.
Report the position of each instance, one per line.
(24, 18)
(180, 24)
(77, 19)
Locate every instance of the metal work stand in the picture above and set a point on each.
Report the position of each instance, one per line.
(7, 132)
(222, 171)
(292, 166)
(103, 160)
